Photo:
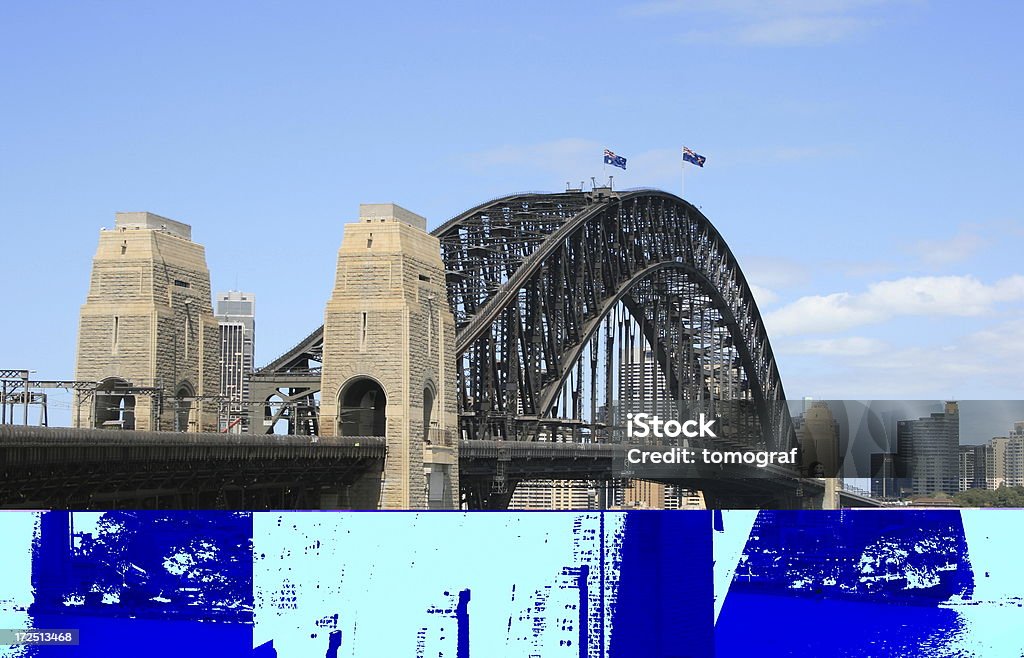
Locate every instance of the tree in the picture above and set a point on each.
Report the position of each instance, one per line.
(1002, 497)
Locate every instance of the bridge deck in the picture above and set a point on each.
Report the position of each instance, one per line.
(45, 465)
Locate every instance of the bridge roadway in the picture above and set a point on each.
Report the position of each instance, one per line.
(65, 468)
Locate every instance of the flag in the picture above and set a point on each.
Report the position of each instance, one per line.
(690, 156)
(614, 160)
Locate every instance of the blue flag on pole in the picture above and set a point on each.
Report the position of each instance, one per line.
(614, 160)
(690, 156)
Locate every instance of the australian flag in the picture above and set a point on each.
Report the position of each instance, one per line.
(614, 160)
(690, 156)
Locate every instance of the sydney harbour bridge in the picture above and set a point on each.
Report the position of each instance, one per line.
(571, 310)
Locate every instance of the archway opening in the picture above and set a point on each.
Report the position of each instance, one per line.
(362, 409)
(428, 414)
(114, 407)
(183, 406)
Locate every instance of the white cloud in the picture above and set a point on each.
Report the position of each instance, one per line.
(773, 272)
(777, 23)
(934, 296)
(957, 248)
(754, 8)
(557, 155)
(849, 346)
(759, 156)
(763, 296)
(794, 31)
(572, 158)
(984, 364)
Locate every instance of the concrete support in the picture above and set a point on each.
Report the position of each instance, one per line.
(148, 321)
(387, 363)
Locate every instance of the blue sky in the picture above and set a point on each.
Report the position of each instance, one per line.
(864, 156)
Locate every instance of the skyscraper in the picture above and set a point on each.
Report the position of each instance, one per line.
(643, 384)
(996, 462)
(552, 494)
(818, 434)
(884, 480)
(929, 450)
(1015, 456)
(643, 387)
(973, 460)
(236, 315)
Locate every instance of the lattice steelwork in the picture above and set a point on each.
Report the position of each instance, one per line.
(288, 389)
(554, 294)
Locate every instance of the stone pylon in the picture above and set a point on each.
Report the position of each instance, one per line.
(388, 361)
(148, 323)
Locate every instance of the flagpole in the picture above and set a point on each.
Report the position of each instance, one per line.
(682, 178)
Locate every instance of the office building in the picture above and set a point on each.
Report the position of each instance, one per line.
(1015, 456)
(928, 449)
(972, 471)
(885, 480)
(236, 315)
(553, 494)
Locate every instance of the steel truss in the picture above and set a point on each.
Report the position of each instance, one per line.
(550, 325)
(557, 297)
(287, 389)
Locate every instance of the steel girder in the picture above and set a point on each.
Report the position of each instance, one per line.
(286, 388)
(532, 278)
(536, 280)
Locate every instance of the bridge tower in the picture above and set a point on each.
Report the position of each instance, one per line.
(388, 358)
(147, 323)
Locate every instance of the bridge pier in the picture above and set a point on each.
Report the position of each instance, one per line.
(363, 494)
(146, 332)
(388, 370)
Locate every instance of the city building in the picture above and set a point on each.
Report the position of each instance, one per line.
(236, 315)
(885, 480)
(553, 494)
(643, 387)
(995, 462)
(972, 471)
(928, 449)
(1015, 456)
(817, 433)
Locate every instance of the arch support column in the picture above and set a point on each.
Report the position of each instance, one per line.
(388, 364)
(148, 321)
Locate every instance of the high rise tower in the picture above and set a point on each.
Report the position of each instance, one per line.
(236, 315)
(388, 367)
(147, 323)
(929, 449)
(818, 435)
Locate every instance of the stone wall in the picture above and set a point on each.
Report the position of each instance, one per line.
(148, 320)
(388, 320)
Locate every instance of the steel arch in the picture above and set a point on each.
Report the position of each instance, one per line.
(532, 276)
